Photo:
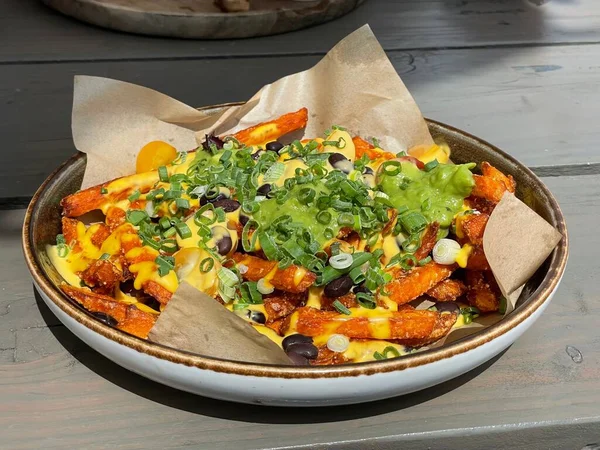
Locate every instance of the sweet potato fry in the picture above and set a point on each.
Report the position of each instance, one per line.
(101, 234)
(482, 291)
(427, 241)
(327, 357)
(490, 171)
(492, 184)
(274, 129)
(405, 324)
(69, 229)
(294, 279)
(92, 198)
(157, 291)
(480, 204)
(363, 147)
(282, 304)
(443, 325)
(348, 300)
(447, 290)
(472, 226)
(102, 276)
(477, 259)
(128, 317)
(407, 286)
(115, 217)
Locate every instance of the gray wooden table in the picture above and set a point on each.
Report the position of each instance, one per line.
(524, 75)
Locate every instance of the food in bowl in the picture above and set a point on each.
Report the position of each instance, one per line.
(328, 246)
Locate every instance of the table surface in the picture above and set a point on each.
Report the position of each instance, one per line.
(521, 74)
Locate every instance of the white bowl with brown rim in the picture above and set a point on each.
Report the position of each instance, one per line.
(289, 385)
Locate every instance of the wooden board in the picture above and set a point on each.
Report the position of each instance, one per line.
(32, 32)
(202, 19)
(539, 105)
(55, 392)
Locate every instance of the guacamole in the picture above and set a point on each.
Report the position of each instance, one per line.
(437, 194)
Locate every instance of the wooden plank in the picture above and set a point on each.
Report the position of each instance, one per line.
(537, 103)
(55, 392)
(32, 32)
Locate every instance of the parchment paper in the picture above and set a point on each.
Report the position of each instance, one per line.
(354, 85)
(197, 323)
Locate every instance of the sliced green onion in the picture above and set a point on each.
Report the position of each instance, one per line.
(146, 240)
(346, 219)
(183, 230)
(182, 203)
(61, 246)
(136, 216)
(357, 275)
(445, 251)
(262, 287)
(103, 191)
(426, 205)
(163, 174)
(413, 222)
(425, 261)
(400, 154)
(306, 195)
(169, 246)
(341, 261)
(338, 343)
(104, 256)
(169, 233)
(391, 168)
(431, 165)
(268, 246)
(164, 265)
(503, 305)
(366, 300)
(248, 243)
(274, 172)
(134, 196)
(227, 277)
(341, 308)
(164, 223)
(207, 264)
(324, 217)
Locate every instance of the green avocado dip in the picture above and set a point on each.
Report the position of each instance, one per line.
(304, 215)
(437, 194)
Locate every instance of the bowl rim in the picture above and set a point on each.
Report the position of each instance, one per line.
(537, 299)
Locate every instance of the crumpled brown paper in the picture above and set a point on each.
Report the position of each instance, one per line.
(197, 323)
(355, 86)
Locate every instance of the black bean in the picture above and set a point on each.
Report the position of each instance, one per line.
(362, 288)
(274, 146)
(257, 154)
(338, 287)
(228, 205)
(106, 319)
(298, 360)
(204, 200)
(223, 241)
(258, 317)
(305, 349)
(264, 189)
(335, 158)
(244, 219)
(212, 139)
(450, 307)
(295, 339)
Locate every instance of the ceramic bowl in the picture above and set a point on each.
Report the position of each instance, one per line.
(288, 385)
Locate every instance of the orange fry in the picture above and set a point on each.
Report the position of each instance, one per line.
(362, 147)
(69, 229)
(492, 184)
(157, 291)
(472, 227)
(407, 286)
(427, 241)
(442, 327)
(287, 280)
(274, 129)
(103, 276)
(490, 171)
(477, 259)
(483, 292)
(447, 290)
(404, 324)
(128, 317)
